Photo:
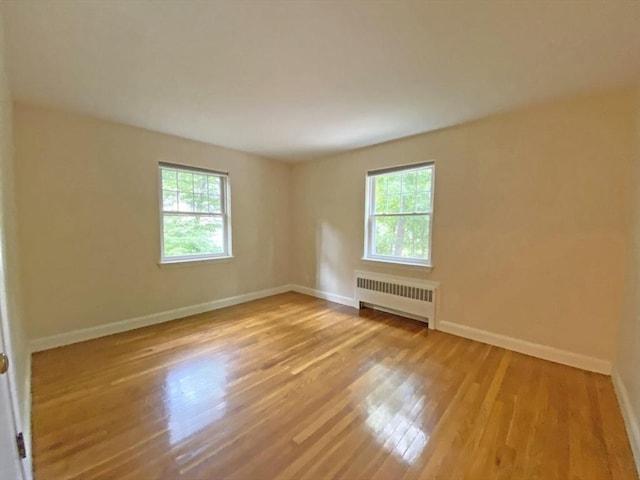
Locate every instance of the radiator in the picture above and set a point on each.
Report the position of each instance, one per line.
(413, 297)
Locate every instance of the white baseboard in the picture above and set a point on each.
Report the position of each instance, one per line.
(332, 297)
(545, 352)
(45, 343)
(629, 415)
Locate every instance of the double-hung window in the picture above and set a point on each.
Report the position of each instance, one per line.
(399, 214)
(195, 214)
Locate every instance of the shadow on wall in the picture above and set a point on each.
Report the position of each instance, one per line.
(330, 246)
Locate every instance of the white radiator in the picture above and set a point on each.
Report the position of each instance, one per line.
(414, 297)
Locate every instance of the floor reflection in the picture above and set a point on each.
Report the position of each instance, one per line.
(195, 396)
(393, 415)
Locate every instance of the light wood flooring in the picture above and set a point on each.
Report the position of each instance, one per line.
(291, 387)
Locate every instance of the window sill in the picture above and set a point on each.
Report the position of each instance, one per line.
(422, 266)
(184, 262)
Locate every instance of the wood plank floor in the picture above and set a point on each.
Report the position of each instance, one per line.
(291, 387)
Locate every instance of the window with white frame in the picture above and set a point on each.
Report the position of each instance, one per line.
(399, 214)
(195, 213)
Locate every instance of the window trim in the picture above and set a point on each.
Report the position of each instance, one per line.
(225, 202)
(370, 214)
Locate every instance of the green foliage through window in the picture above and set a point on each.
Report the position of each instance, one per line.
(400, 213)
(193, 212)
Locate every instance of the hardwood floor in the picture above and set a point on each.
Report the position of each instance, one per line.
(291, 387)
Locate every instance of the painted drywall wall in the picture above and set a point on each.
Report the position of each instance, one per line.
(10, 300)
(89, 222)
(530, 224)
(627, 360)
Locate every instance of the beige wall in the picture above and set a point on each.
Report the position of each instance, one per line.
(89, 222)
(530, 235)
(530, 226)
(10, 301)
(627, 361)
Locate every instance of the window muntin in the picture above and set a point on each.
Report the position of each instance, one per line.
(195, 213)
(400, 213)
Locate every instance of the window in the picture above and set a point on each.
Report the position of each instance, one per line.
(195, 214)
(399, 214)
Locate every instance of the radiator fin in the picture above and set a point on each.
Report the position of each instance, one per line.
(415, 293)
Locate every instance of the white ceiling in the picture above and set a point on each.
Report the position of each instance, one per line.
(294, 80)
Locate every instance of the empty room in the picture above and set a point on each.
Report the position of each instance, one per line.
(318, 239)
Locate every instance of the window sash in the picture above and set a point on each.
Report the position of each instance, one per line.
(225, 243)
(371, 185)
(221, 177)
(413, 214)
(399, 259)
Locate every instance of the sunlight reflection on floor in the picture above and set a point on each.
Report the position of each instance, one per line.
(393, 416)
(195, 392)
